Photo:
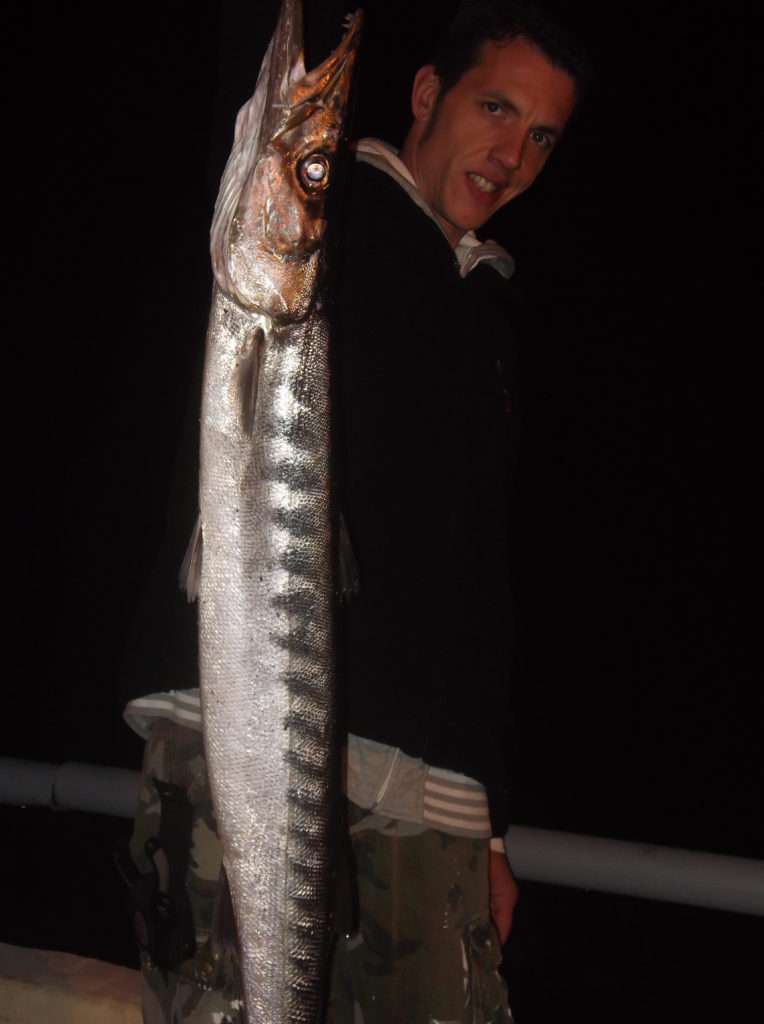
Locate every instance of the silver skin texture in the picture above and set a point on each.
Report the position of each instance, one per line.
(265, 585)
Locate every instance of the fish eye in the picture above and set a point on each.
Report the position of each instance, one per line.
(314, 172)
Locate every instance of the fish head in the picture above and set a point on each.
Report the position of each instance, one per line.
(270, 216)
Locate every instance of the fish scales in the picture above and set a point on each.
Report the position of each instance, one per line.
(272, 726)
(266, 583)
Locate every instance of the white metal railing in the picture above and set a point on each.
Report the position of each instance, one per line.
(71, 786)
(711, 880)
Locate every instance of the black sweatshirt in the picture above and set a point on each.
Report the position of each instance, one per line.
(422, 396)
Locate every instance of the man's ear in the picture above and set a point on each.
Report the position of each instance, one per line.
(424, 93)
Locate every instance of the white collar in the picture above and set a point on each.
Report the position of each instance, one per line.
(470, 251)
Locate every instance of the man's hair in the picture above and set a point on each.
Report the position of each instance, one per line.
(480, 21)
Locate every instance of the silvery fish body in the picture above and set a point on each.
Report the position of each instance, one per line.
(265, 584)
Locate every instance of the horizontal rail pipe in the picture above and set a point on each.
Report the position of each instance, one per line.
(712, 880)
(71, 786)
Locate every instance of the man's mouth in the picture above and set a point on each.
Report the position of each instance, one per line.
(483, 183)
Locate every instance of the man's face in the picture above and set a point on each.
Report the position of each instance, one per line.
(489, 136)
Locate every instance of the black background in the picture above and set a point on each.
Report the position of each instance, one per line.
(636, 710)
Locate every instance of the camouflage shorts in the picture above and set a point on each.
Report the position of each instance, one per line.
(425, 951)
(197, 980)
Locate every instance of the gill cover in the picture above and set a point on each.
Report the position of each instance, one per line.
(269, 217)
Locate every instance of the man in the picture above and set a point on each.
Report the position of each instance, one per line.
(423, 327)
(422, 401)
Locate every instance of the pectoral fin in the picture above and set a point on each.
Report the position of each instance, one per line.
(190, 573)
(248, 374)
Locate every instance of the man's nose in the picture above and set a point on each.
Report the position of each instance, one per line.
(509, 148)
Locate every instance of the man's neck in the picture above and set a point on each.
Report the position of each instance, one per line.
(407, 155)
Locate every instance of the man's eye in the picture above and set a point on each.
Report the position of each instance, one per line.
(492, 106)
(541, 139)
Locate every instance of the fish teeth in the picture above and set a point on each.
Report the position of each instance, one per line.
(483, 183)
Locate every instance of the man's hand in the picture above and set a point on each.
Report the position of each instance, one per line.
(502, 889)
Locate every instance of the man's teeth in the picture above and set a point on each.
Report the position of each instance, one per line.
(483, 183)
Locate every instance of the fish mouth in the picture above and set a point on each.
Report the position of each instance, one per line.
(328, 84)
(294, 93)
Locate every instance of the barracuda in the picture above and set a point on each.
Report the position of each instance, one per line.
(265, 557)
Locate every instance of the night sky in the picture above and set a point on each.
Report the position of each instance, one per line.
(636, 709)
